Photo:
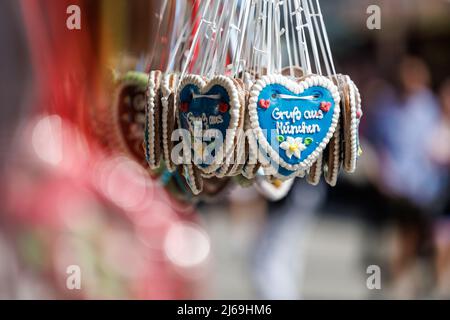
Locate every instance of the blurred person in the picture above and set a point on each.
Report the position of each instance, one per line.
(409, 178)
(441, 133)
(441, 155)
(279, 260)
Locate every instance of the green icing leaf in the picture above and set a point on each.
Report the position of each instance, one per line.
(308, 141)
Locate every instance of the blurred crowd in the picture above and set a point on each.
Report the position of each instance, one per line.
(68, 201)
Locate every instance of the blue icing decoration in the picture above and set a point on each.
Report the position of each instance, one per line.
(294, 119)
(284, 172)
(206, 109)
(280, 170)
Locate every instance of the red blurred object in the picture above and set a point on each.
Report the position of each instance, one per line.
(196, 22)
(65, 189)
(64, 61)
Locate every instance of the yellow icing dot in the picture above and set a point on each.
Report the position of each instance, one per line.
(293, 148)
(277, 183)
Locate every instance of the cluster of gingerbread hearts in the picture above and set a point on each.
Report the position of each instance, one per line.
(220, 127)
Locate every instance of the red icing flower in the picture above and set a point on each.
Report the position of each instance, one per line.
(223, 107)
(264, 103)
(325, 106)
(184, 107)
(359, 114)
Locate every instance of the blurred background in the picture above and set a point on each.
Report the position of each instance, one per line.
(68, 198)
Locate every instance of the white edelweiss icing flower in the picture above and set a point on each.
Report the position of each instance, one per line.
(293, 147)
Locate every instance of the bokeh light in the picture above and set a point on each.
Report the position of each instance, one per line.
(187, 245)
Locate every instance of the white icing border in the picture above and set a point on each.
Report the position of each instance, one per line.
(358, 98)
(150, 115)
(249, 171)
(331, 175)
(350, 164)
(358, 109)
(166, 91)
(196, 189)
(296, 88)
(269, 170)
(234, 110)
(236, 168)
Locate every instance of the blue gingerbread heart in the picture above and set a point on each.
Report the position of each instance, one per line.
(293, 122)
(213, 105)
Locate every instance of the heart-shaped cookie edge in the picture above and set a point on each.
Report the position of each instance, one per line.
(131, 78)
(235, 107)
(296, 88)
(355, 105)
(151, 136)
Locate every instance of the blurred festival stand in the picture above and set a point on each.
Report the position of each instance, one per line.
(63, 196)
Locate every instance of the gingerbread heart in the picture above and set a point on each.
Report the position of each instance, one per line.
(128, 115)
(351, 114)
(298, 122)
(216, 107)
(153, 148)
